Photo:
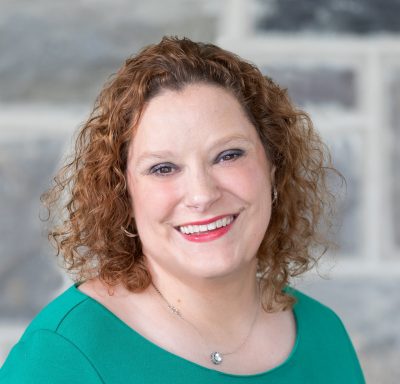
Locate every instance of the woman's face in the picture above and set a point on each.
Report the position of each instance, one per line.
(200, 184)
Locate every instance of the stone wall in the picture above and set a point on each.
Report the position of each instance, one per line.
(340, 60)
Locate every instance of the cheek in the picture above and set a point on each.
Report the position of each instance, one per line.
(153, 200)
(251, 182)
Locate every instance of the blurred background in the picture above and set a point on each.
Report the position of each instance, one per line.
(340, 60)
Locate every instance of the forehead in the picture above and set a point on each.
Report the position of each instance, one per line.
(198, 111)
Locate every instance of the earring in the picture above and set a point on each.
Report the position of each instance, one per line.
(274, 195)
(129, 234)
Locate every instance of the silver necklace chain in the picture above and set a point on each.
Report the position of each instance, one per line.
(215, 357)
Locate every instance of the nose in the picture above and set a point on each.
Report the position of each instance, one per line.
(201, 190)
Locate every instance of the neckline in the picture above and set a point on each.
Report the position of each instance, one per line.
(280, 366)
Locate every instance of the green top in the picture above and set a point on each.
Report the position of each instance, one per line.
(75, 339)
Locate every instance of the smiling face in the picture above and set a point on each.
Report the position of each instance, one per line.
(200, 184)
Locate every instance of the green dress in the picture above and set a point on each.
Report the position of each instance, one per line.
(75, 339)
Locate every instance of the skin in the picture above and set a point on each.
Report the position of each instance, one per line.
(194, 156)
(195, 137)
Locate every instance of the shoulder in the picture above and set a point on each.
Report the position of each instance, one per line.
(76, 317)
(323, 336)
(310, 308)
(44, 356)
(71, 315)
(316, 318)
(46, 351)
(58, 311)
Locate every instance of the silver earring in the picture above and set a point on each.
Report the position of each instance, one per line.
(129, 234)
(274, 195)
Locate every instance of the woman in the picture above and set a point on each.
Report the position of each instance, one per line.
(195, 192)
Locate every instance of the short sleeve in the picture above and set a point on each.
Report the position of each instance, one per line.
(47, 357)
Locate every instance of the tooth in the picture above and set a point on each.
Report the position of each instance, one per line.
(211, 226)
(190, 229)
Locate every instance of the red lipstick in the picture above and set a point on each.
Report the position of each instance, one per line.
(210, 235)
(208, 221)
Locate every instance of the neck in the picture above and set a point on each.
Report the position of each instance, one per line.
(216, 307)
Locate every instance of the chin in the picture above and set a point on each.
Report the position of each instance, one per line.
(213, 270)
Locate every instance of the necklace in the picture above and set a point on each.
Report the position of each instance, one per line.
(215, 357)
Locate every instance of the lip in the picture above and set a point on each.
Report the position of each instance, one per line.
(211, 235)
(208, 221)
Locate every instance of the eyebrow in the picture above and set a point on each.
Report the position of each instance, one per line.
(229, 139)
(162, 155)
(158, 155)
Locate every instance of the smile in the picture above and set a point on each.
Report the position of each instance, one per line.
(190, 229)
(207, 230)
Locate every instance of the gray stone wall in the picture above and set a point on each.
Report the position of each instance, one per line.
(340, 60)
(58, 52)
(393, 89)
(360, 17)
(25, 169)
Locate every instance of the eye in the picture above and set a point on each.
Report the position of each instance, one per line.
(164, 169)
(229, 155)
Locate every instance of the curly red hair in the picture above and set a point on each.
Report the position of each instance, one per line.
(92, 237)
